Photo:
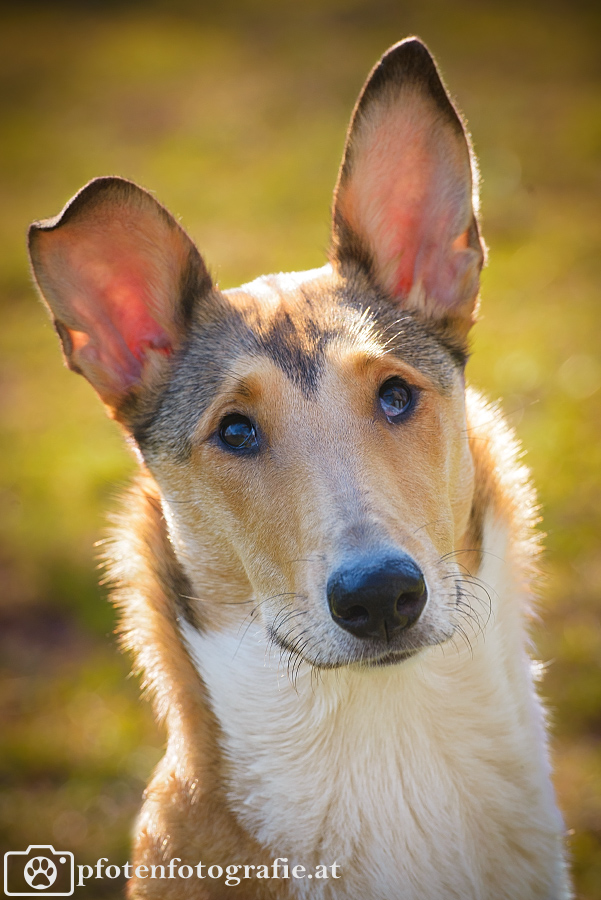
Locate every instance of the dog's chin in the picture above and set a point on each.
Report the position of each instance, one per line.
(392, 658)
(377, 659)
(369, 661)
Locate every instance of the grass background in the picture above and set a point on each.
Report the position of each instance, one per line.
(234, 113)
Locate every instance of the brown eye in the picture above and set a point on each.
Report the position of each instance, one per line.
(238, 432)
(396, 399)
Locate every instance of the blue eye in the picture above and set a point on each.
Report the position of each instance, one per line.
(396, 399)
(238, 432)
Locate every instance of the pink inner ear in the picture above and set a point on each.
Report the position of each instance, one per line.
(125, 299)
(401, 231)
(409, 198)
(111, 302)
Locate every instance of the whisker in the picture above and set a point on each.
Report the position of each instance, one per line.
(473, 550)
(460, 631)
(465, 610)
(218, 602)
(253, 612)
(428, 524)
(311, 558)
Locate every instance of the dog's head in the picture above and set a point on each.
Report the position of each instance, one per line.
(307, 431)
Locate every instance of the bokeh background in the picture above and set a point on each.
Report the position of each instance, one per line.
(234, 113)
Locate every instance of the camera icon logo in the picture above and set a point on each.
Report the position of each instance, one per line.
(39, 871)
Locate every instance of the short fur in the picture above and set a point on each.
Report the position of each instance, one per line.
(418, 763)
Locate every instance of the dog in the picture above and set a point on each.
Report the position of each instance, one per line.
(326, 567)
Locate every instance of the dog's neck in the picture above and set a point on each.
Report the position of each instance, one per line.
(373, 767)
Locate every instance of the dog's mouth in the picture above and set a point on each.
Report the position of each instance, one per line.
(368, 658)
(393, 658)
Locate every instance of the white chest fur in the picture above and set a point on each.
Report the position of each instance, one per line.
(424, 781)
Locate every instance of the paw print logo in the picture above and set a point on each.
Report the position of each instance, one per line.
(40, 873)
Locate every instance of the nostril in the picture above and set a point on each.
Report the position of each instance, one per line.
(410, 604)
(414, 592)
(355, 616)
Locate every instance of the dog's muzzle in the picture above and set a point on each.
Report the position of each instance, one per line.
(377, 596)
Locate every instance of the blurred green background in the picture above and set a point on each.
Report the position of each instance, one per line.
(234, 113)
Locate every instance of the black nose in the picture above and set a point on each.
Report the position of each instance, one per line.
(377, 596)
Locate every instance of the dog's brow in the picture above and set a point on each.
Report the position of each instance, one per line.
(407, 340)
(437, 369)
(238, 387)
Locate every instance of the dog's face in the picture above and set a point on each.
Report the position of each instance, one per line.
(307, 432)
(330, 442)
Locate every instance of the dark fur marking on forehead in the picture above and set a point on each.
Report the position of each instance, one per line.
(295, 341)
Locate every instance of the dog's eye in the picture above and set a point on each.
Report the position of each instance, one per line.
(238, 432)
(396, 399)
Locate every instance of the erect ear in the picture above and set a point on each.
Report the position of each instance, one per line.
(405, 200)
(120, 277)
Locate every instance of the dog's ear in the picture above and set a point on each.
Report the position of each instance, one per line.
(404, 205)
(120, 277)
